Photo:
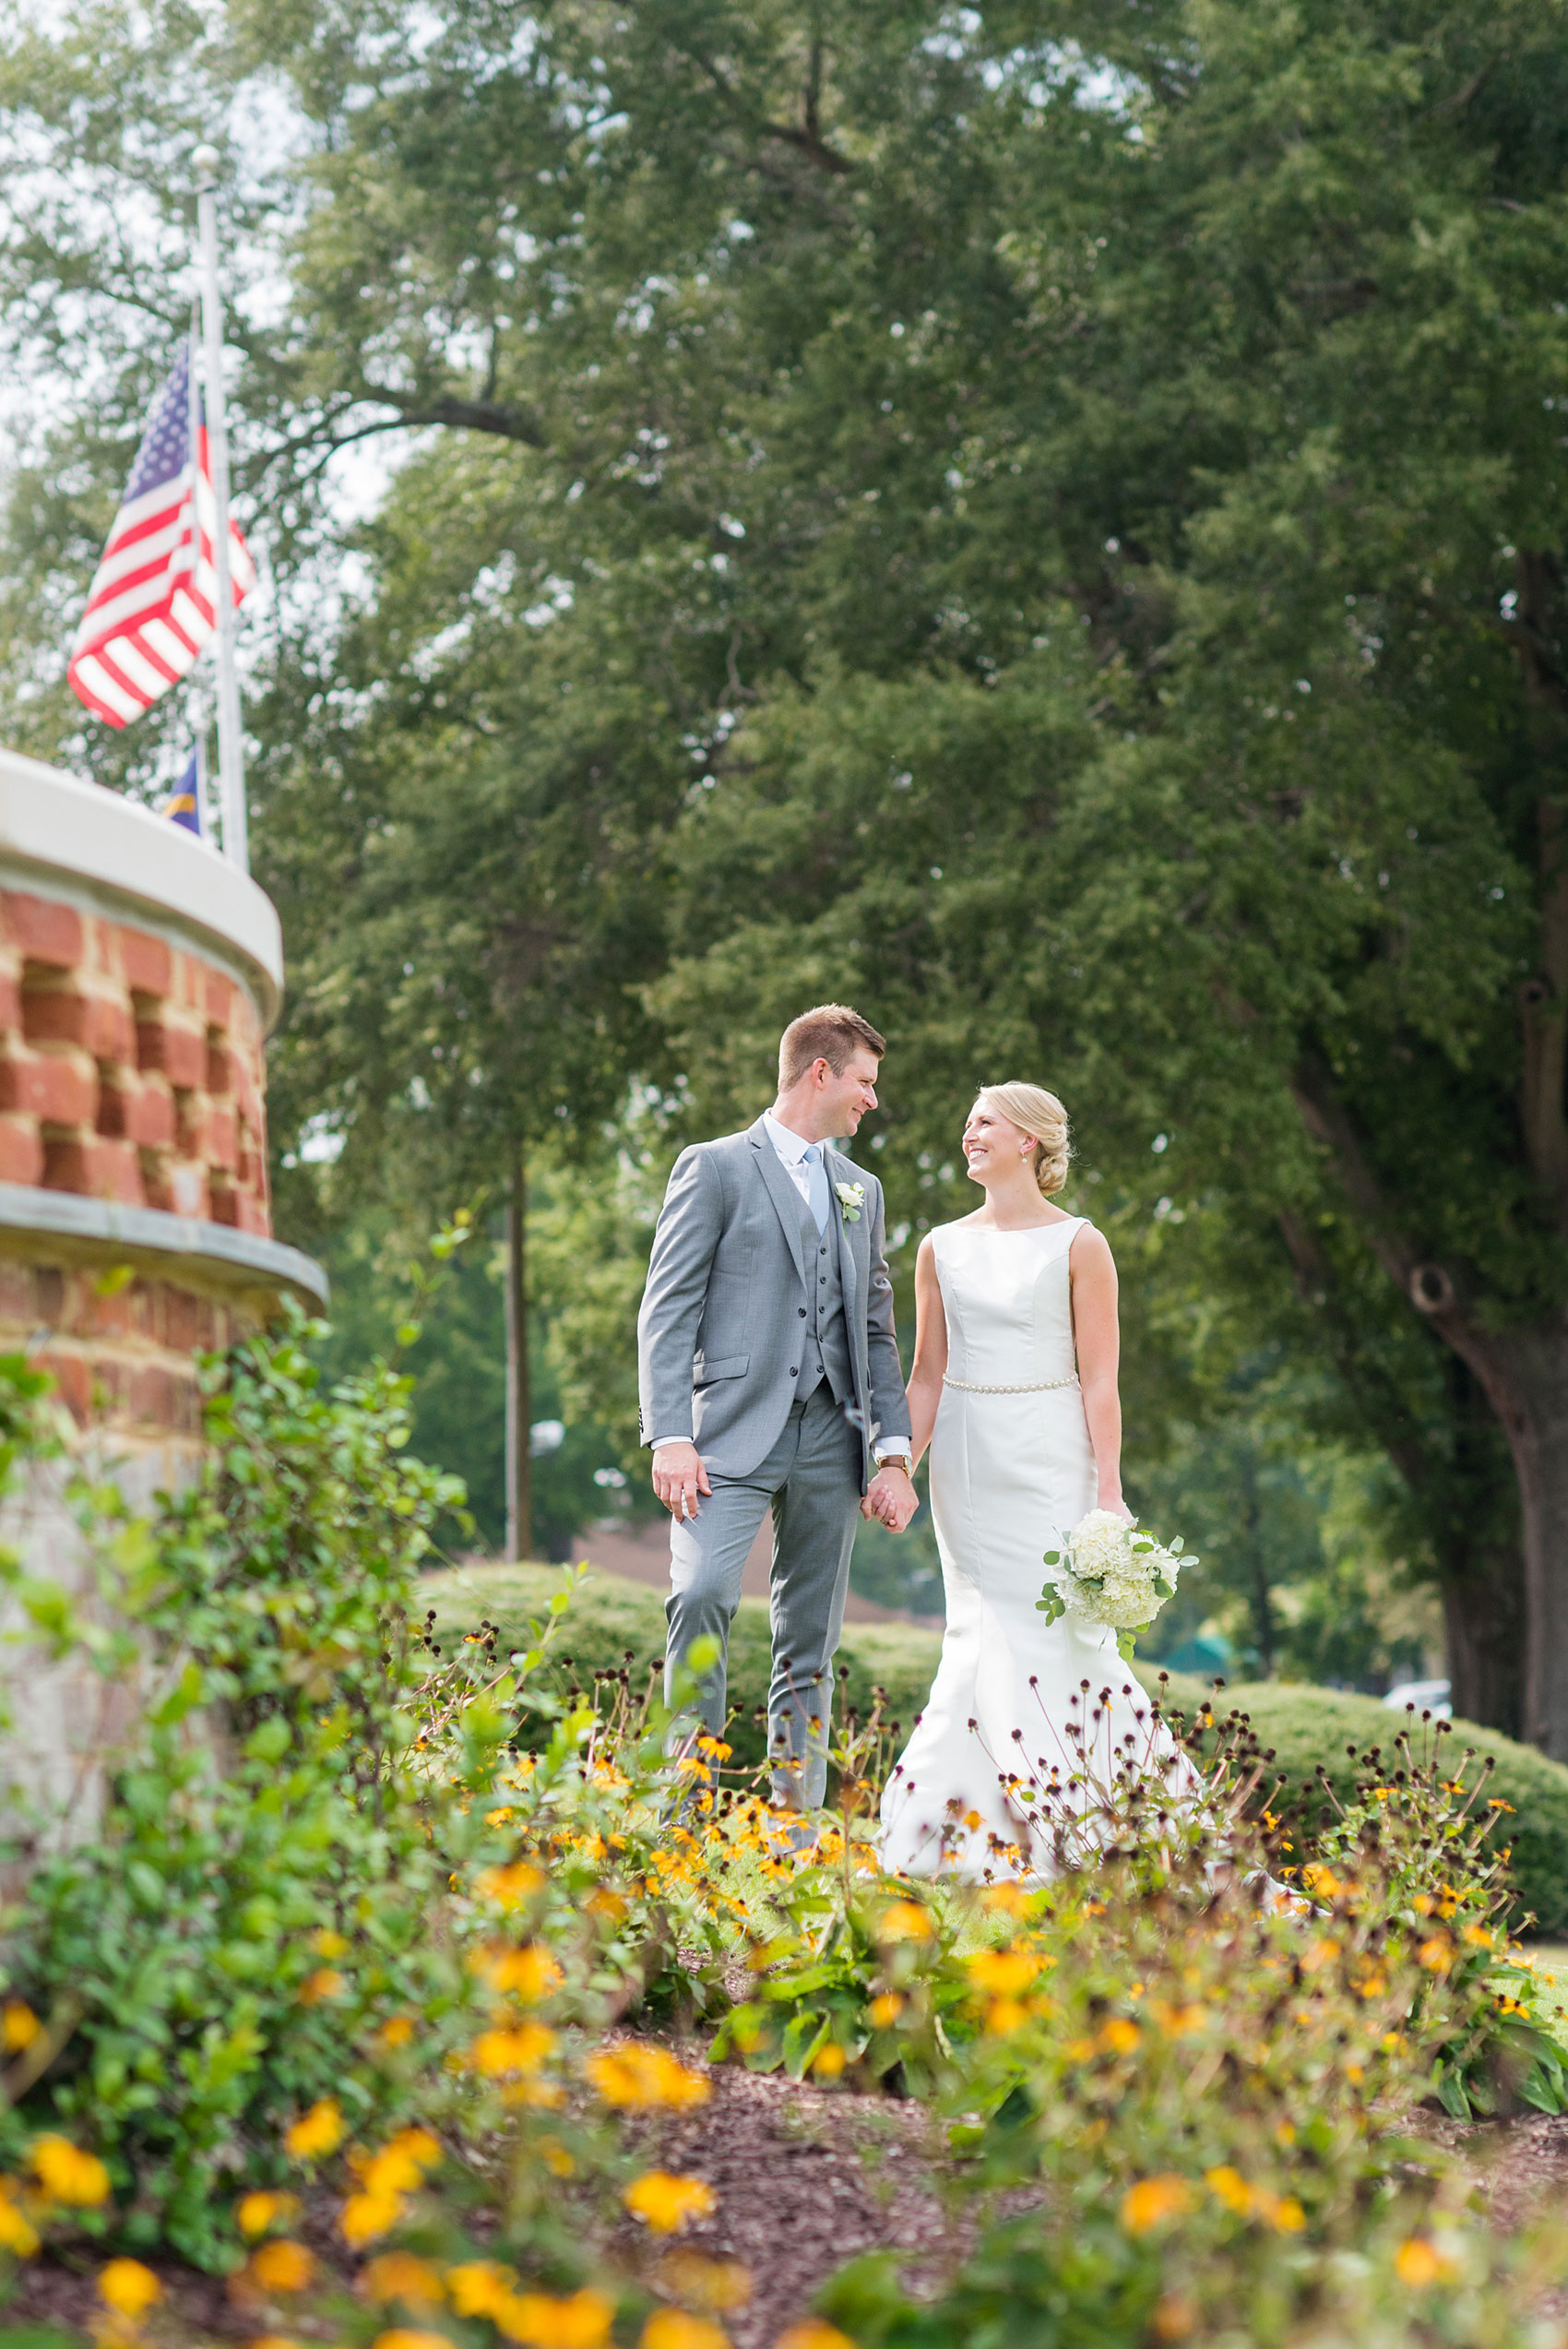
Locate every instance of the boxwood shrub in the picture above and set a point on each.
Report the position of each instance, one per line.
(1307, 1725)
(1304, 1726)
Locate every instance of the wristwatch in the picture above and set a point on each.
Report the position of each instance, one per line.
(895, 1460)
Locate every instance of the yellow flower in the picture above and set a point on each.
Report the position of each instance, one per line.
(674, 2328)
(365, 2216)
(1231, 2188)
(904, 1921)
(327, 1944)
(1285, 2215)
(636, 2075)
(128, 2288)
(1153, 2201)
(1418, 2262)
(528, 1973)
(509, 2054)
(325, 1983)
(398, 2275)
(480, 2288)
(1478, 1937)
(829, 2060)
(1323, 1952)
(718, 2286)
(400, 2337)
(280, 2267)
(396, 2031)
(1436, 1955)
(813, 2332)
(668, 2204)
(1079, 2051)
(884, 2008)
(1118, 2036)
(1006, 1897)
(280, 2341)
(1180, 2022)
(18, 2233)
(67, 2175)
(258, 2212)
(418, 2145)
(509, 1887)
(580, 2321)
(19, 2025)
(1004, 2016)
(316, 2133)
(1004, 1971)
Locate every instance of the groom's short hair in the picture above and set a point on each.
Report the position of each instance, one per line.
(832, 1033)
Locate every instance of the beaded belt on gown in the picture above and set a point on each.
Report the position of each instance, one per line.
(1034, 1386)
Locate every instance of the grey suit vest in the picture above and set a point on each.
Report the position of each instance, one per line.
(827, 1339)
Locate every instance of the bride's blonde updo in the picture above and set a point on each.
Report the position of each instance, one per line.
(1035, 1112)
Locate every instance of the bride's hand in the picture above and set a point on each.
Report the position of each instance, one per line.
(1118, 1508)
(891, 1497)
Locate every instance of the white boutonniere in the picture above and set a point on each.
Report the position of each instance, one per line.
(851, 1198)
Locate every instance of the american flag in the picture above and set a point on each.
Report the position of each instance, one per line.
(153, 601)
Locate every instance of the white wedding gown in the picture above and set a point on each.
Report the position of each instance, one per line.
(994, 1763)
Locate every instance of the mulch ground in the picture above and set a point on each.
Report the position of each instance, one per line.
(806, 2178)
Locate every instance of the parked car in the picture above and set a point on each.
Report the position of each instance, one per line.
(1427, 1696)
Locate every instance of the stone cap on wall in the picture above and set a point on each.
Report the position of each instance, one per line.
(74, 837)
(104, 1232)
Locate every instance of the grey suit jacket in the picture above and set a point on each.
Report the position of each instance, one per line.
(718, 1351)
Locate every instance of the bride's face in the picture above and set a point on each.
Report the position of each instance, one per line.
(993, 1146)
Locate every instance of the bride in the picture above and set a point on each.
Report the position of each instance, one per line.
(1014, 1390)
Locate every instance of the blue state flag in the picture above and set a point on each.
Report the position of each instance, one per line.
(183, 803)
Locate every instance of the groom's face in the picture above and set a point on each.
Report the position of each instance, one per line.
(851, 1094)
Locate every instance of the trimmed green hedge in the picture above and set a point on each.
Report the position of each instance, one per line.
(1307, 1725)
(1304, 1726)
(608, 1617)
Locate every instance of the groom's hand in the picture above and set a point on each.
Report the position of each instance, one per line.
(891, 1497)
(678, 1477)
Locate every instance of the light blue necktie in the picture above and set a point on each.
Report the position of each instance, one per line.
(816, 1185)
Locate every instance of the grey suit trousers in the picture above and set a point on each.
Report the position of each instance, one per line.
(811, 1481)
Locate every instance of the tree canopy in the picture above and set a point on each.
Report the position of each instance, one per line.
(1046, 521)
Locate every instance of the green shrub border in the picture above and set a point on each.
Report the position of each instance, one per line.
(1304, 1726)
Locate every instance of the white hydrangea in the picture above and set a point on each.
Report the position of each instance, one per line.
(1110, 1573)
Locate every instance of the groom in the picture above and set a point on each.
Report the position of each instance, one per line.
(770, 1378)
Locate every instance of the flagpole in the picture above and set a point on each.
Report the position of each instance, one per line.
(230, 747)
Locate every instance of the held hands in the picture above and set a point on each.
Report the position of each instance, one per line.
(891, 1497)
(679, 1477)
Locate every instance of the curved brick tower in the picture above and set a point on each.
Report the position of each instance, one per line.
(139, 974)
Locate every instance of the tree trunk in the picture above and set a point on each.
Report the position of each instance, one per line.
(519, 1473)
(1525, 1372)
(1482, 1621)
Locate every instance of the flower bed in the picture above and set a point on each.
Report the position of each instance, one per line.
(1306, 1727)
(408, 2032)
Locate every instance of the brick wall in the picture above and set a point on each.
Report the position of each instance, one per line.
(129, 1069)
(122, 1353)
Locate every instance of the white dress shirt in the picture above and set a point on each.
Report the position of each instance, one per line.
(790, 1148)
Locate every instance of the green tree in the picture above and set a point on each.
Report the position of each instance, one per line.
(1051, 527)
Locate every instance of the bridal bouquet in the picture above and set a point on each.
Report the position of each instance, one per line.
(1109, 1572)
